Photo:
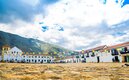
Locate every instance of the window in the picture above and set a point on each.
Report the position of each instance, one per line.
(39, 60)
(77, 56)
(87, 55)
(29, 60)
(48, 61)
(35, 56)
(82, 56)
(108, 51)
(114, 52)
(124, 50)
(42, 61)
(39, 56)
(35, 61)
(93, 54)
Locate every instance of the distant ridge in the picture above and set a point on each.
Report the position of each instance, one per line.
(28, 44)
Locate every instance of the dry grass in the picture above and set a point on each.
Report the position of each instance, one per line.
(76, 71)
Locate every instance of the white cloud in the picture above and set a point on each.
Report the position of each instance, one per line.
(85, 13)
(83, 22)
(78, 14)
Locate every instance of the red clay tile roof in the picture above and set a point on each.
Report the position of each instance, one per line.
(97, 48)
(104, 47)
(118, 45)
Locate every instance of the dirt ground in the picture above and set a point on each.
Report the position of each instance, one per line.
(73, 71)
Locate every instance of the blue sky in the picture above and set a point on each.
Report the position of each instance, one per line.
(73, 24)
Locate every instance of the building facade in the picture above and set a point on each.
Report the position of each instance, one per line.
(13, 55)
(115, 53)
(5, 50)
(16, 55)
(73, 59)
(39, 58)
(98, 55)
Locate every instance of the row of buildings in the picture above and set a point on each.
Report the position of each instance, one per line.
(115, 53)
(16, 55)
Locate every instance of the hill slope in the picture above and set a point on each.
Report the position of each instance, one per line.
(28, 44)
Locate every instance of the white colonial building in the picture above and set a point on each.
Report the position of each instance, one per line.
(73, 59)
(0, 58)
(105, 54)
(105, 57)
(37, 58)
(98, 54)
(115, 53)
(16, 55)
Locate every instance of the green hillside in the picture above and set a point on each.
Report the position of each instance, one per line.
(29, 44)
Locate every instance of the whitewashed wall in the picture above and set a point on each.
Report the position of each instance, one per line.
(91, 59)
(0, 58)
(36, 58)
(105, 57)
(13, 54)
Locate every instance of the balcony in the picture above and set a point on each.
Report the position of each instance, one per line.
(124, 52)
(92, 55)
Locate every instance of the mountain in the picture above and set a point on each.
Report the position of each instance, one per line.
(29, 44)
